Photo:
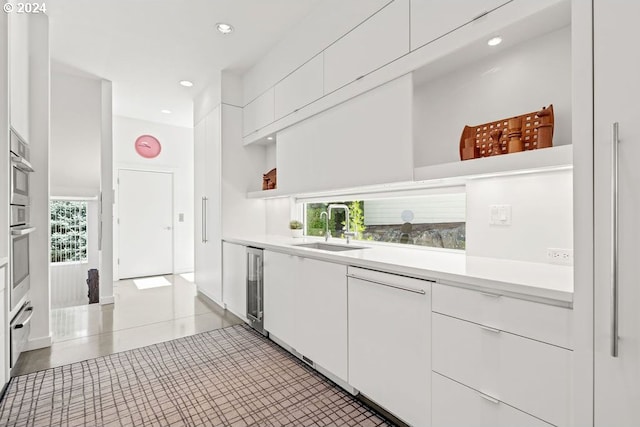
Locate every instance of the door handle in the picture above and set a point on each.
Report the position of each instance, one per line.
(614, 238)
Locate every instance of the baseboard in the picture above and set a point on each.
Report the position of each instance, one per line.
(107, 300)
(210, 298)
(183, 270)
(36, 343)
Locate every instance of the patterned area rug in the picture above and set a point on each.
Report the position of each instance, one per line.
(226, 377)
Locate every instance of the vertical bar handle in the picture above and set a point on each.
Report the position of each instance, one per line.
(260, 286)
(614, 239)
(204, 220)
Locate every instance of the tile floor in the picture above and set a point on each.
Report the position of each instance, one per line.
(139, 317)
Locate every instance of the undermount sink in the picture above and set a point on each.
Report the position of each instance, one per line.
(329, 246)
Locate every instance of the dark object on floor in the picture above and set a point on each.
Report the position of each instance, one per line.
(93, 282)
(231, 376)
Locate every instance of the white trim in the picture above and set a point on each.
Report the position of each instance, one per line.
(184, 270)
(107, 300)
(75, 198)
(36, 343)
(209, 297)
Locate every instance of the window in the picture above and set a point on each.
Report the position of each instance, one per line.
(435, 220)
(68, 231)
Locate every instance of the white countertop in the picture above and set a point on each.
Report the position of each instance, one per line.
(538, 281)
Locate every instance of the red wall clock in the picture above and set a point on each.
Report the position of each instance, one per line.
(148, 146)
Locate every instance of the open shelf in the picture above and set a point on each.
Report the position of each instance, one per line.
(546, 159)
(266, 194)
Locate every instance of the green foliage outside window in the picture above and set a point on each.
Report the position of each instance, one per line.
(68, 231)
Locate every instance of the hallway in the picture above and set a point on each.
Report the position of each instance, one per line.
(139, 317)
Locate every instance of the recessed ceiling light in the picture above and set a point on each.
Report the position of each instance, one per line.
(165, 111)
(495, 41)
(270, 138)
(186, 83)
(224, 28)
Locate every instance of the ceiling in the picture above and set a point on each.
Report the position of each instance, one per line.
(145, 47)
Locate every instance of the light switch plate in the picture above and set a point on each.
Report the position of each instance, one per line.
(500, 215)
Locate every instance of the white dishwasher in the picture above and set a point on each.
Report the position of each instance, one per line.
(389, 342)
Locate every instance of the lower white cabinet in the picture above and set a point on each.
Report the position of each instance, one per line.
(321, 314)
(279, 296)
(234, 278)
(529, 375)
(457, 405)
(389, 342)
(305, 306)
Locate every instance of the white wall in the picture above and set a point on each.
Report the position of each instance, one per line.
(76, 117)
(4, 195)
(278, 215)
(542, 216)
(518, 80)
(177, 157)
(39, 130)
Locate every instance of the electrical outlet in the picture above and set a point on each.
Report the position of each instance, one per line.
(560, 256)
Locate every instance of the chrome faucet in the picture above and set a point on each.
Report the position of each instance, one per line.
(327, 233)
(348, 234)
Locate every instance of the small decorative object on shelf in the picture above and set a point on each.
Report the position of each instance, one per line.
(296, 228)
(521, 133)
(514, 133)
(269, 181)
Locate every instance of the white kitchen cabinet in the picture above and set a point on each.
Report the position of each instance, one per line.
(208, 247)
(280, 271)
(305, 306)
(616, 94)
(234, 278)
(300, 88)
(366, 140)
(258, 113)
(376, 42)
(19, 73)
(542, 322)
(320, 319)
(531, 376)
(389, 342)
(457, 405)
(431, 19)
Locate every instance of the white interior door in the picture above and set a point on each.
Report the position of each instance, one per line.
(145, 212)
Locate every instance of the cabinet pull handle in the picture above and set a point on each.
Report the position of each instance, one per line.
(488, 329)
(403, 288)
(614, 239)
(487, 294)
(204, 220)
(489, 398)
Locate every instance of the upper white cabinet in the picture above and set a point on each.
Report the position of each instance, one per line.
(19, 73)
(258, 113)
(300, 88)
(366, 140)
(378, 41)
(431, 19)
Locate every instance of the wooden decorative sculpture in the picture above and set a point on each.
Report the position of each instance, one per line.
(269, 181)
(521, 133)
